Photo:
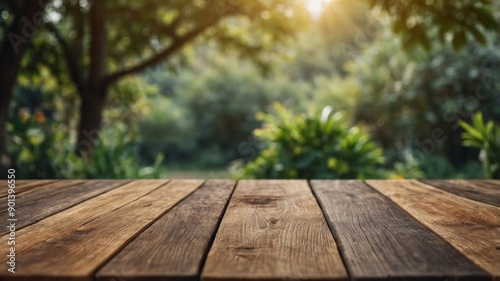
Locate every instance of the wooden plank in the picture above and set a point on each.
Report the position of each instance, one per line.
(491, 183)
(23, 185)
(273, 230)
(84, 237)
(46, 200)
(480, 191)
(175, 246)
(472, 227)
(46, 189)
(380, 241)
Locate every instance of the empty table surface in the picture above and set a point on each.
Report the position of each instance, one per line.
(251, 230)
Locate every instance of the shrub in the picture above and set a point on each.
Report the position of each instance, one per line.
(31, 145)
(317, 146)
(115, 156)
(42, 150)
(486, 137)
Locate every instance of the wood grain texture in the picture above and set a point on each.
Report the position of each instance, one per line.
(477, 190)
(473, 228)
(380, 241)
(273, 230)
(48, 189)
(74, 243)
(46, 200)
(174, 247)
(23, 185)
(490, 183)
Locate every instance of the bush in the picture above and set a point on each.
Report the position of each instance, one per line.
(115, 156)
(31, 144)
(42, 150)
(317, 146)
(486, 137)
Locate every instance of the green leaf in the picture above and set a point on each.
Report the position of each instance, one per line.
(478, 35)
(470, 131)
(477, 120)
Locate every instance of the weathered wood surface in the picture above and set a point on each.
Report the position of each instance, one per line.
(482, 191)
(87, 235)
(380, 241)
(273, 230)
(23, 185)
(175, 246)
(267, 230)
(54, 197)
(472, 227)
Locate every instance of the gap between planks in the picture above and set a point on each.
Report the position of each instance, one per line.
(273, 230)
(176, 245)
(477, 190)
(378, 240)
(112, 220)
(472, 227)
(55, 197)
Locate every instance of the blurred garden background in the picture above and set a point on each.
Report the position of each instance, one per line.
(250, 88)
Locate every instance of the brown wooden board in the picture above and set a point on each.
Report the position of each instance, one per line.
(175, 246)
(39, 191)
(273, 230)
(52, 198)
(23, 185)
(481, 191)
(380, 241)
(472, 227)
(73, 244)
(490, 183)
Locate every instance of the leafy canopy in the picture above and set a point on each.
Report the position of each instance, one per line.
(418, 21)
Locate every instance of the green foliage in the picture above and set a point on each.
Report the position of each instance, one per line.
(201, 112)
(32, 142)
(114, 157)
(439, 167)
(315, 146)
(416, 165)
(166, 128)
(409, 168)
(335, 37)
(417, 21)
(420, 166)
(159, 31)
(486, 137)
(206, 111)
(413, 93)
(41, 149)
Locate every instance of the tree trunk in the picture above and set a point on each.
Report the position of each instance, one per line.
(95, 89)
(7, 82)
(15, 42)
(91, 109)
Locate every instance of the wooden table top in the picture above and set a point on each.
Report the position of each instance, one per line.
(252, 230)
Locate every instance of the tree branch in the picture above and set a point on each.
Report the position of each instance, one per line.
(178, 43)
(98, 47)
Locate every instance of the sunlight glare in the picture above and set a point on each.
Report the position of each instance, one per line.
(315, 7)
